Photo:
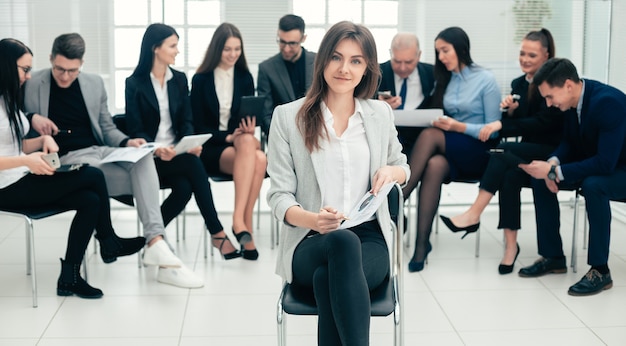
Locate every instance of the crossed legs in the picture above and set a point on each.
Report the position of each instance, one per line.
(247, 164)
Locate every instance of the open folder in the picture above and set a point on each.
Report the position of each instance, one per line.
(416, 117)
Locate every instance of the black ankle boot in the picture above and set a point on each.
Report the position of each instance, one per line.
(70, 282)
(113, 247)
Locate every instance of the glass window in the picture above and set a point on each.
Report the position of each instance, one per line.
(130, 12)
(201, 12)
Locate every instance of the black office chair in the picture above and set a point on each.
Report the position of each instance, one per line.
(28, 215)
(384, 300)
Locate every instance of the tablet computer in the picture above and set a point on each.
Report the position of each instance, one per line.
(251, 106)
(191, 141)
(416, 117)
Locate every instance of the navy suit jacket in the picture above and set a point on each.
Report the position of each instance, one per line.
(598, 145)
(427, 78)
(205, 106)
(142, 108)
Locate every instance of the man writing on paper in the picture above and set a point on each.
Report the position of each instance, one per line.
(63, 97)
(406, 83)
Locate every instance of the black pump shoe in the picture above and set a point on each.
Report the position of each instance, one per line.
(243, 237)
(467, 229)
(251, 255)
(508, 268)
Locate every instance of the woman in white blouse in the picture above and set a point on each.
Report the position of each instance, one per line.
(28, 181)
(326, 151)
(216, 91)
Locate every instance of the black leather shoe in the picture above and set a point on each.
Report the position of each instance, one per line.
(592, 283)
(544, 266)
(504, 269)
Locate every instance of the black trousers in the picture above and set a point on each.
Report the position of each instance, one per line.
(185, 175)
(83, 190)
(502, 174)
(598, 191)
(342, 267)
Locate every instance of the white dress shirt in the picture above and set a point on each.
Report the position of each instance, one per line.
(165, 133)
(414, 93)
(9, 147)
(347, 179)
(224, 88)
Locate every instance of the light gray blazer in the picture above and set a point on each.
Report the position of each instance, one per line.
(37, 100)
(297, 176)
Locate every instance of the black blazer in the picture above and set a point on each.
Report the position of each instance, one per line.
(142, 109)
(532, 119)
(427, 78)
(205, 106)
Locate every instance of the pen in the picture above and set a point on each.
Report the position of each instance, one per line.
(64, 132)
(343, 217)
(515, 97)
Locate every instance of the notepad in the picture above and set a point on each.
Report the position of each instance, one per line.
(416, 117)
(190, 142)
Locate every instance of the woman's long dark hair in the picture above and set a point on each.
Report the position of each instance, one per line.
(310, 119)
(10, 51)
(213, 54)
(461, 43)
(153, 38)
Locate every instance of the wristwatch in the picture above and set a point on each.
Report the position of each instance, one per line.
(552, 173)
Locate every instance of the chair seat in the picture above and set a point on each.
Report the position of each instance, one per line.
(302, 302)
(36, 213)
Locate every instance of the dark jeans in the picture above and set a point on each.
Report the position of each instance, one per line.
(342, 267)
(502, 174)
(598, 191)
(83, 190)
(185, 175)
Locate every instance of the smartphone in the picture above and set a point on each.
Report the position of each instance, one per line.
(52, 159)
(385, 94)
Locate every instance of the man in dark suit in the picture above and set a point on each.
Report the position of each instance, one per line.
(592, 156)
(287, 75)
(406, 83)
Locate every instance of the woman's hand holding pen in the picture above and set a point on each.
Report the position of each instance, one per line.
(509, 104)
(329, 219)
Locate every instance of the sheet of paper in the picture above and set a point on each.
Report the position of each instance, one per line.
(367, 207)
(416, 117)
(127, 154)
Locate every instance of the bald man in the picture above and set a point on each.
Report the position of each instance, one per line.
(405, 68)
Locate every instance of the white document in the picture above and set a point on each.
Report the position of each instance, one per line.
(189, 142)
(127, 154)
(367, 207)
(416, 117)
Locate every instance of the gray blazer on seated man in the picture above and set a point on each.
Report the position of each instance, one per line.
(63, 97)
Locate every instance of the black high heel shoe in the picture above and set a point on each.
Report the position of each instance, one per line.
(508, 268)
(416, 266)
(467, 229)
(243, 237)
(226, 256)
(251, 255)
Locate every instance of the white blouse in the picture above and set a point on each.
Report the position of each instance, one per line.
(10, 147)
(224, 88)
(347, 174)
(165, 133)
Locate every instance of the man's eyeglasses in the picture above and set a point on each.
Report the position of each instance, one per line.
(62, 71)
(291, 44)
(26, 69)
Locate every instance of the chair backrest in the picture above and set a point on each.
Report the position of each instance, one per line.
(120, 122)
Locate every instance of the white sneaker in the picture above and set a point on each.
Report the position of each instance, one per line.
(159, 254)
(180, 277)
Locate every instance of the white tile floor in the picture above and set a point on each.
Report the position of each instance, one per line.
(457, 300)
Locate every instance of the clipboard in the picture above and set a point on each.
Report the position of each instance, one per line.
(251, 106)
(191, 141)
(416, 117)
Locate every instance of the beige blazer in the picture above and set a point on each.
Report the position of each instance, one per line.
(296, 175)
